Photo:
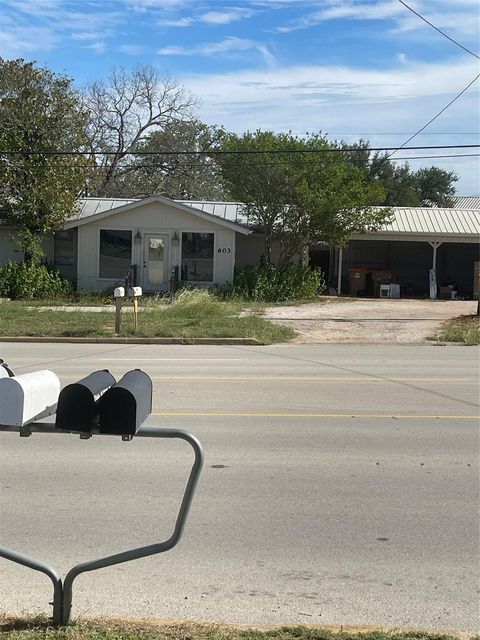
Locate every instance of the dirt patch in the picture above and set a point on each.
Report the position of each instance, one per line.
(369, 321)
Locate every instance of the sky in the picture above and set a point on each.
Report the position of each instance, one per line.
(352, 69)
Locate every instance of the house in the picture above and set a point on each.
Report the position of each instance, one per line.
(109, 238)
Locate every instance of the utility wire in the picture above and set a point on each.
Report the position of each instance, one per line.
(159, 167)
(439, 30)
(256, 151)
(403, 146)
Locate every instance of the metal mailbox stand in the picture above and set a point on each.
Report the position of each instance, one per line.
(62, 593)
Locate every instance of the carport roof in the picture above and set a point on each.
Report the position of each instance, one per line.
(429, 223)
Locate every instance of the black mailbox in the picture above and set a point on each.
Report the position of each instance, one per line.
(126, 405)
(77, 406)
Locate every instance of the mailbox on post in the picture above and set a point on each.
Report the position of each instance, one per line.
(28, 397)
(78, 402)
(126, 405)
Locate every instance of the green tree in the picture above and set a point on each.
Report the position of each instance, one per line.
(183, 176)
(403, 187)
(436, 186)
(39, 113)
(301, 190)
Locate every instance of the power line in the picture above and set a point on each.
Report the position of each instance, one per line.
(131, 168)
(439, 30)
(256, 151)
(402, 146)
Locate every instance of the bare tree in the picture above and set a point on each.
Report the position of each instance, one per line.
(123, 110)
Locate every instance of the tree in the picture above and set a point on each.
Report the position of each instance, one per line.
(436, 186)
(406, 188)
(302, 189)
(39, 113)
(187, 176)
(123, 111)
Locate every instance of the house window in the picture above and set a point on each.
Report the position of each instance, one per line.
(115, 253)
(197, 257)
(64, 252)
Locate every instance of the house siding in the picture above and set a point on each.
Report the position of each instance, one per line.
(10, 251)
(151, 218)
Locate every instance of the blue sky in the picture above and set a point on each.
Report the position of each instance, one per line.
(350, 68)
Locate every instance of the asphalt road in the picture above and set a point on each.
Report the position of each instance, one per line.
(340, 487)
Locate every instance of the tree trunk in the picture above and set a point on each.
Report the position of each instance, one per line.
(268, 247)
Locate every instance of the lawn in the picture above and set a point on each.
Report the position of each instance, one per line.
(192, 314)
(17, 629)
(464, 329)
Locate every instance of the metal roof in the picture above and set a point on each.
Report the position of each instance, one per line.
(433, 221)
(411, 220)
(91, 206)
(233, 211)
(466, 202)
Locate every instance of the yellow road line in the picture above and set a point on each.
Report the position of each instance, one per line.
(311, 415)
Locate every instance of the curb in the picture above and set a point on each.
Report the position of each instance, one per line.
(133, 340)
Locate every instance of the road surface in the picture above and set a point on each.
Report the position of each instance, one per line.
(340, 487)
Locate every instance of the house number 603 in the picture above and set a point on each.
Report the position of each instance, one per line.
(224, 250)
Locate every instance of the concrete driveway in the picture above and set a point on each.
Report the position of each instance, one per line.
(369, 321)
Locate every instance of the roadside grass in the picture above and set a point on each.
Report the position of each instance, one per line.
(192, 314)
(464, 329)
(40, 629)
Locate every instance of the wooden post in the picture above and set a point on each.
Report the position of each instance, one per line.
(118, 315)
(339, 280)
(135, 314)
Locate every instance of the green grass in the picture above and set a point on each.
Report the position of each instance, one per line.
(465, 329)
(192, 314)
(39, 629)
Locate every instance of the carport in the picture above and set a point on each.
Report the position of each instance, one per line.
(418, 246)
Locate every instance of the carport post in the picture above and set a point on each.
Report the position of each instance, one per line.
(435, 244)
(339, 280)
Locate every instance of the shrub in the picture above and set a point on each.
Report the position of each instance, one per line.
(271, 285)
(22, 280)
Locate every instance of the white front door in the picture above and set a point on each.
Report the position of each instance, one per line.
(155, 262)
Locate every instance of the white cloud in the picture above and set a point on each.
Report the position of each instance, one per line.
(234, 14)
(16, 41)
(460, 17)
(131, 49)
(97, 47)
(180, 22)
(142, 6)
(225, 17)
(228, 45)
(341, 99)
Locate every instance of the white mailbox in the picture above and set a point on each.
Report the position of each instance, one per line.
(28, 397)
(134, 292)
(119, 292)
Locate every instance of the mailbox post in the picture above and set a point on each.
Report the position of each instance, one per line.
(102, 397)
(118, 294)
(135, 293)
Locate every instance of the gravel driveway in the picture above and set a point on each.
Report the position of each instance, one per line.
(369, 321)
